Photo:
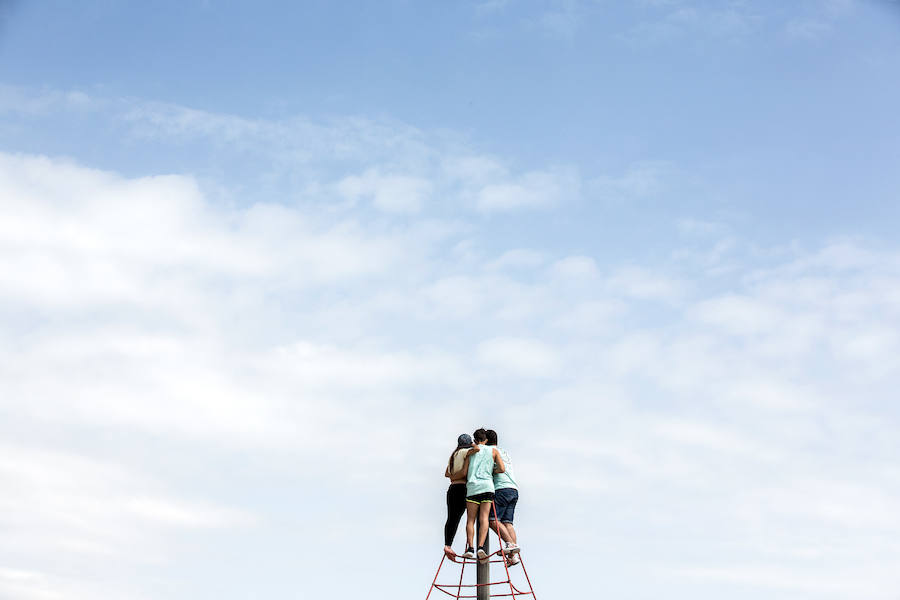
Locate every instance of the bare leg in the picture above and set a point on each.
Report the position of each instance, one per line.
(510, 531)
(471, 515)
(495, 528)
(495, 525)
(484, 510)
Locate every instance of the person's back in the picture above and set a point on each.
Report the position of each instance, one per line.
(457, 464)
(456, 493)
(481, 472)
(480, 493)
(506, 496)
(507, 479)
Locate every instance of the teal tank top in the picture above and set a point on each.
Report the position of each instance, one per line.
(507, 479)
(481, 472)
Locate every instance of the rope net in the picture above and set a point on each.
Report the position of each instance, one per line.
(506, 587)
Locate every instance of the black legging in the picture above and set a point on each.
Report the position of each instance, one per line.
(456, 507)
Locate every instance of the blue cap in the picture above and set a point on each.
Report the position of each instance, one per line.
(464, 440)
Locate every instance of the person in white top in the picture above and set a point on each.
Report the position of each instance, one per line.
(506, 496)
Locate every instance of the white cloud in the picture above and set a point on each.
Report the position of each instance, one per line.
(282, 156)
(267, 329)
(390, 193)
(643, 284)
(591, 317)
(60, 504)
(576, 267)
(521, 356)
(177, 373)
(739, 315)
(519, 258)
(455, 296)
(844, 584)
(326, 368)
(474, 170)
(536, 189)
(490, 6)
(29, 585)
(690, 226)
(718, 439)
(676, 20)
(633, 353)
(75, 236)
(167, 512)
(818, 20)
(640, 180)
(563, 20)
(20, 100)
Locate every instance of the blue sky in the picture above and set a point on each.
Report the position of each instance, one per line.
(262, 264)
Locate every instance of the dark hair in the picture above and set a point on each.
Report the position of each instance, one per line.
(480, 435)
(491, 437)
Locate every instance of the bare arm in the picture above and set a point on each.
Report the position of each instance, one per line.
(499, 466)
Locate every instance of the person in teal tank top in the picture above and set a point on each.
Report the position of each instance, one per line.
(480, 492)
(506, 496)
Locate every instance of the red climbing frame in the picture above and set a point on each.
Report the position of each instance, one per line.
(459, 587)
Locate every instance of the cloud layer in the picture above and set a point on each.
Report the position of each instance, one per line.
(193, 374)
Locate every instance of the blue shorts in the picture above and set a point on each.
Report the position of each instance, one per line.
(505, 502)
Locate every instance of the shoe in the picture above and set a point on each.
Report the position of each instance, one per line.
(511, 549)
(513, 560)
(481, 553)
(470, 552)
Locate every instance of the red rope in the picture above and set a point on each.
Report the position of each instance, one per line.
(513, 590)
(524, 570)
(503, 556)
(441, 564)
(461, 571)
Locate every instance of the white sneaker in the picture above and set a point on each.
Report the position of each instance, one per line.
(482, 554)
(511, 549)
(470, 553)
(513, 560)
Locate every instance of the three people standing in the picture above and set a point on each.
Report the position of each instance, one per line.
(489, 482)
